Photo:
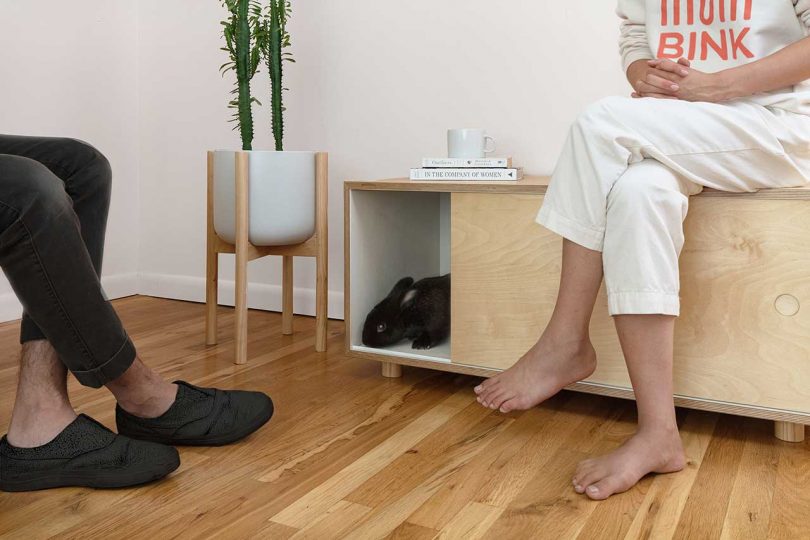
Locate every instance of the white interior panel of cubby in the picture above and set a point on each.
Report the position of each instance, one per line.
(395, 234)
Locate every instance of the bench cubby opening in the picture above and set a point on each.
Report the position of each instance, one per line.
(393, 235)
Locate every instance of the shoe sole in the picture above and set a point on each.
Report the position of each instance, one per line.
(89, 479)
(257, 422)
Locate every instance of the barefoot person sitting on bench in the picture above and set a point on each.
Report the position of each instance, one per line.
(722, 101)
(54, 199)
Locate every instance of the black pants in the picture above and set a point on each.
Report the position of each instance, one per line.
(54, 201)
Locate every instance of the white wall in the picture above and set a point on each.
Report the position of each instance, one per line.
(376, 83)
(67, 69)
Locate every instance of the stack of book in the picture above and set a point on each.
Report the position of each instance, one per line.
(459, 169)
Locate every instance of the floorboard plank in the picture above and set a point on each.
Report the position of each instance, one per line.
(350, 454)
(707, 505)
(662, 507)
(749, 506)
(790, 509)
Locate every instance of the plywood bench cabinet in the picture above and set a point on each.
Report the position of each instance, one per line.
(742, 342)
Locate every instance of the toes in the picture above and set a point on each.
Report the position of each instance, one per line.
(598, 492)
(496, 399)
(486, 385)
(485, 397)
(605, 488)
(588, 472)
(583, 468)
(510, 405)
(491, 396)
(576, 481)
(586, 479)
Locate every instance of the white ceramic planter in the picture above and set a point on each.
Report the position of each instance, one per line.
(281, 201)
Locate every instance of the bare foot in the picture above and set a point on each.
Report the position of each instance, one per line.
(646, 452)
(546, 369)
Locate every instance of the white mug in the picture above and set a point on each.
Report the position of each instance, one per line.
(469, 143)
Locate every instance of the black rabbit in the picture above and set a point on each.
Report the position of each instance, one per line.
(418, 311)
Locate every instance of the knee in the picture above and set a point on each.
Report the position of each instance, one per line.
(96, 173)
(28, 187)
(648, 185)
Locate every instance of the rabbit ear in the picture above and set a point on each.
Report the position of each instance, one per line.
(401, 287)
(407, 298)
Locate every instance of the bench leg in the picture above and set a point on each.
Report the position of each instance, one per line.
(789, 432)
(392, 371)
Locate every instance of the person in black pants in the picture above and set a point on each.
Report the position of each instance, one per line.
(54, 201)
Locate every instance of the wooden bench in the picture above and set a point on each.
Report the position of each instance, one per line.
(742, 342)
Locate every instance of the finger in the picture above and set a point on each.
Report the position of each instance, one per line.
(671, 67)
(684, 62)
(662, 85)
(653, 63)
(668, 75)
(656, 96)
(644, 88)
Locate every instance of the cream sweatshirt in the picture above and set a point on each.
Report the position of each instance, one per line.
(717, 34)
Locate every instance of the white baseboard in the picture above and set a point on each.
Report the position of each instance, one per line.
(115, 286)
(260, 295)
(190, 288)
(120, 285)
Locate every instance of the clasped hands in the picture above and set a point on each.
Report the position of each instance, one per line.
(666, 79)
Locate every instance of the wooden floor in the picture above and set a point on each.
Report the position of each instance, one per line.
(352, 455)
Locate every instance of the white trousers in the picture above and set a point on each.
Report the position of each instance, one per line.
(623, 181)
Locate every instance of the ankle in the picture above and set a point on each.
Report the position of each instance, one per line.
(659, 431)
(38, 424)
(571, 342)
(142, 392)
(149, 403)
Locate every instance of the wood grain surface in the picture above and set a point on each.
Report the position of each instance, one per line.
(350, 454)
(745, 296)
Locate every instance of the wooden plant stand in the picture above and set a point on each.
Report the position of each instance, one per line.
(742, 342)
(316, 246)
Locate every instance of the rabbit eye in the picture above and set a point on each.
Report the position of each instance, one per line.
(381, 327)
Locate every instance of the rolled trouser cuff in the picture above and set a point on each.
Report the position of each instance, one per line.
(109, 370)
(574, 231)
(29, 331)
(643, 303)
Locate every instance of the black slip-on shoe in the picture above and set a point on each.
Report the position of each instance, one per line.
(201, 417)
(84, 454)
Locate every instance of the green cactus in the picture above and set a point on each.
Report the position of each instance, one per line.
(275, 40)
(252, 33)
(244, 43)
